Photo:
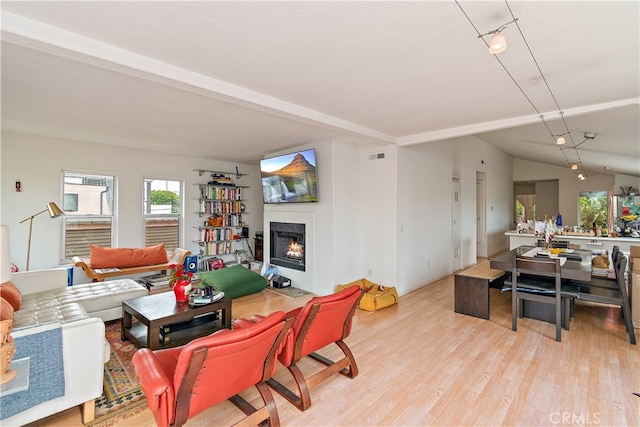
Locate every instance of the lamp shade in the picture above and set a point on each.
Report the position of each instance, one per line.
(54, 210)
(497, 44)
(5, 255)
(574, 166)
(560, 140)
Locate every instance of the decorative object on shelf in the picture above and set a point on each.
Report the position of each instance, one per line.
(54, 212)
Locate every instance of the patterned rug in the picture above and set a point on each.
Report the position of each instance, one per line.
(121, 391)
(290, 291)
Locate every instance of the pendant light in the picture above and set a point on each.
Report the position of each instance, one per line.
(497, 44)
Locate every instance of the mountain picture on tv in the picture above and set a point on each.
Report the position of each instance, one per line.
(290, 178)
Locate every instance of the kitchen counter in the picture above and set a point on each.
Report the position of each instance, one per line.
(585, 242)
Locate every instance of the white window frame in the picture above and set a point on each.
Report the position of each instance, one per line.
(180, 215)
(73, 215)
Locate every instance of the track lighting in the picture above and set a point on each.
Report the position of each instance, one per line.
(498, 42)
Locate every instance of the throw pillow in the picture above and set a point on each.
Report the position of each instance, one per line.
(127, 257)
(11, 294)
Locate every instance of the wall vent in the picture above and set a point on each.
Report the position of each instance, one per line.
(376, 156)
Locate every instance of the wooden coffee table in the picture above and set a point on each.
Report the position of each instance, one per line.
(162, 322)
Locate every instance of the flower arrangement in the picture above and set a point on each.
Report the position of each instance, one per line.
(178, 272)
(550, 230)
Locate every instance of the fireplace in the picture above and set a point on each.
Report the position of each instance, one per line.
(287, 245)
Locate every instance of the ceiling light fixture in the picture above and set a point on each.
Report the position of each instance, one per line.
(498, 42)
(500, 46)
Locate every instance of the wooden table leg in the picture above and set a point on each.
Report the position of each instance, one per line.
(126, 323)
(153, 336)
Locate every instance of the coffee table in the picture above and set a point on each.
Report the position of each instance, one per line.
(162, 322)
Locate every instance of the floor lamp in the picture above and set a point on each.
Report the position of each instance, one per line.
(54, 212)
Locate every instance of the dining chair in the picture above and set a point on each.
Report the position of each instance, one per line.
(558, 244)
(613, 292)
(184, 381)
(539, 280)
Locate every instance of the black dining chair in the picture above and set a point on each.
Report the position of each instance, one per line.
(558, 244)
(613, 292)
(539, 280)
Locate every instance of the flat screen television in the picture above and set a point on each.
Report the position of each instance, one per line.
(290, 178)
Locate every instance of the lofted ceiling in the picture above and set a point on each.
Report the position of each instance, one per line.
(238, 80)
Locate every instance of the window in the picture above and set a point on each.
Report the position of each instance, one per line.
(162, 210)
(593, 209)
(88, 205)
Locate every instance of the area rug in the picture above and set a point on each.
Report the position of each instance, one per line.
(121, 395)
(290, 291)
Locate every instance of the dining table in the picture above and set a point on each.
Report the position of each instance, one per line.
(572, 269)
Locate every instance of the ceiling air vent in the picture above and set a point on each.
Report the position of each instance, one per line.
(376, 156)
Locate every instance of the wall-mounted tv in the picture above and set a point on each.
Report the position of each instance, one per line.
(290, 178)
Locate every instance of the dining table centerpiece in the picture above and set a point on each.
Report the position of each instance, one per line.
(550, 230)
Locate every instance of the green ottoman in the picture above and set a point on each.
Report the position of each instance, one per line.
(235, 281)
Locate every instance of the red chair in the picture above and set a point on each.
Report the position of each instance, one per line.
(184, 381)
(320, 322)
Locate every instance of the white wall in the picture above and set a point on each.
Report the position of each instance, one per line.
(424, 206)
(39, 162)
(385, 219)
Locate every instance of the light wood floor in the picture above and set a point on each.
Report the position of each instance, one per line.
(422, 364)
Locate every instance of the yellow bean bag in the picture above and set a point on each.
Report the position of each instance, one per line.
(376, 296)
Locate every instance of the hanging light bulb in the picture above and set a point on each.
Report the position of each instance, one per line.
(560, 140)
(497, 44)
(574, 166)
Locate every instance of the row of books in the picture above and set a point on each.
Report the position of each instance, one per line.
(213, 234)
(217, 207)
(217, 193)
(216, 248)
(232, 220)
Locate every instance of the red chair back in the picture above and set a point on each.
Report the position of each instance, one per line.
(212, 369)
(320, 322)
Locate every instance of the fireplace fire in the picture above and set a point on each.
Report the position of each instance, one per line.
(295, 250)
(287, 245)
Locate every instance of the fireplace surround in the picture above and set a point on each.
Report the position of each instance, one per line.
(287, 245)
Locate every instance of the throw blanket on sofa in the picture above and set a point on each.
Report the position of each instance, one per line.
(42, 346)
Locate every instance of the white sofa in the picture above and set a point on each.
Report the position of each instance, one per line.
(46, 299)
